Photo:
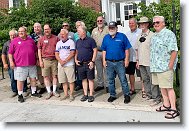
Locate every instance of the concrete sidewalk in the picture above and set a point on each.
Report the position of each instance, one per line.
(54, 110)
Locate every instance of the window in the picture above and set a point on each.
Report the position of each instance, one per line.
(16, 3)
(130, 11)
(143, 1)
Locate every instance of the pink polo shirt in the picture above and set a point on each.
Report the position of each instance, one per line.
(23, 51)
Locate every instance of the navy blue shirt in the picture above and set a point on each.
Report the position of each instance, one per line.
(115, 47)
(85, 49)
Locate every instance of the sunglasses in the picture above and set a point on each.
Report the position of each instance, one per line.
(65, 25)
(99, 20)
(157, 22)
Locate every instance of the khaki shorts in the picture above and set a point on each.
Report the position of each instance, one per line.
(50, 67)
(163, 79)
(66, 74)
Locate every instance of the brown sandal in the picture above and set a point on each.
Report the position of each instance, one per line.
(172, 115)
(166, 109)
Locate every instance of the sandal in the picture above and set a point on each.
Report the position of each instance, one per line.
(132, 92)
(143, 94)
(172, 115)
(166, 109)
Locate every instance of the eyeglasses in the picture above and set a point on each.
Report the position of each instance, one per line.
(99, 20)
(157, 22)
(65, 25)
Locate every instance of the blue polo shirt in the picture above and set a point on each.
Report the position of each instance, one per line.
(85, 49)
(115, 47)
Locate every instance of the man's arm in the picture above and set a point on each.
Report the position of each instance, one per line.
(172, 59)
(127, 54)
(4, 60)
(104, 58)
(91, 64)
(12, 65)
(40, 58)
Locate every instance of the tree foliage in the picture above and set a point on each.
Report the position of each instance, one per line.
(53, 12)
(163, 9)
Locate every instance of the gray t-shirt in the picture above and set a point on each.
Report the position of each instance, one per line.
(5, 49)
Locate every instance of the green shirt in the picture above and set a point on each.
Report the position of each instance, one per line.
(162, 44)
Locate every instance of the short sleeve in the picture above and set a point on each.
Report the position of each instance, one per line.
(93, 43)
(171, 39)
(4, 49)
(72, 45)
(126, 42)
(57, 47)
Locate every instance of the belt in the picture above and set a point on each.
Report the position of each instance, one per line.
(114, 60)
(50, 59)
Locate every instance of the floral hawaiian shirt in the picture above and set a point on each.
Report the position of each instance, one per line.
(162, 44)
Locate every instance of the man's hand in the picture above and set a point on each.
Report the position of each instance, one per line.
(91, 65)
(77, 63)
(5, 66)
(41, 64)
(126, 63)
(12, 65)
(104, 64)
(63, 62)
(137, 65)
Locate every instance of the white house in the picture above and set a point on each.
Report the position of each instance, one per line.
(121, 10)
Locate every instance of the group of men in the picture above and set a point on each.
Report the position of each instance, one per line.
(72, 57)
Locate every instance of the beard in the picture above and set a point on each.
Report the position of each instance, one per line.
(112, 32)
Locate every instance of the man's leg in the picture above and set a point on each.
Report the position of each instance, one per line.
(13, 82)
(100, 76)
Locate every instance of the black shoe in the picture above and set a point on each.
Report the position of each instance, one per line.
(127, 99)
(90, 98)
(77, 88)
(84, 98)
(99, 88)
(132, 92)
(36, 94)
(42, 90)
(107, 91)
(20, 98)
(111, 99)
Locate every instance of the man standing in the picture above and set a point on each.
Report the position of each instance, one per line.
(47, 60)
(163, 60)
(143, 61)
(22, 56)
(35, 36)
(66, 26)
(86, 52)
(115, 48)
(132, 36)
(6, 65)
(65, 52)
(98, 34)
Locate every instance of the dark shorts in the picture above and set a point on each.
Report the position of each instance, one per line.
(131, 68)
(85, 73)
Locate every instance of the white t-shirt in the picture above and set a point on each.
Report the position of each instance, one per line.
(64, 49)
(132, 36)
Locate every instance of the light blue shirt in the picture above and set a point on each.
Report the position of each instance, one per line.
(162, 44)
(76, 36)
(132, 36)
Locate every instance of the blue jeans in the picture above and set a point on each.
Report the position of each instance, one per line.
(118, 68)
(14, 82)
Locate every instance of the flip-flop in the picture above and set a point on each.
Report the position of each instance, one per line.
(161, 110)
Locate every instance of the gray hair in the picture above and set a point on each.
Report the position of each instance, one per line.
(37, 24)
(160, 17)
(64, 30)
(14, 31)
(133, 19)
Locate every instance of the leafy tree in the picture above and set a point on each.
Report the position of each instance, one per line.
(163, 9)
(53, 12)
